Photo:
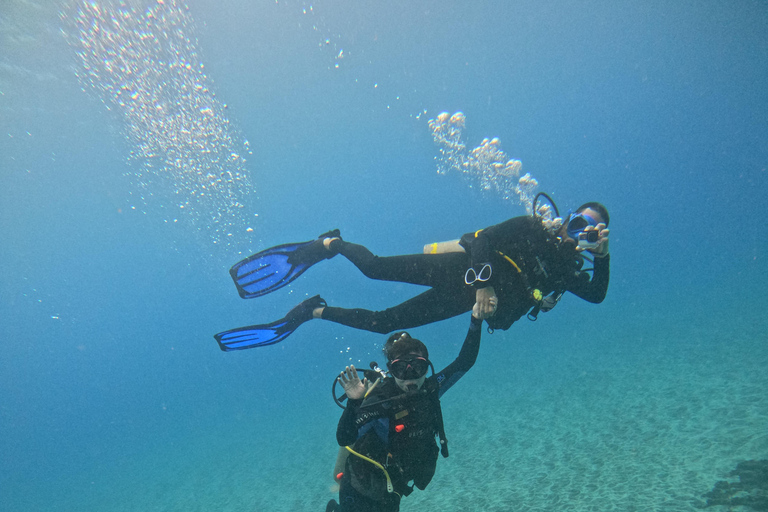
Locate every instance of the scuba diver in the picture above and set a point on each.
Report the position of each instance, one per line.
(388, 428)
(523, 265)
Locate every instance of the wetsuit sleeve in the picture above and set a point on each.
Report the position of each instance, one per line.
(595, 289)
(466, 359)
(346, 432)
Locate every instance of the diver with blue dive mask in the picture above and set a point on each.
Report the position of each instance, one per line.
(517, 268)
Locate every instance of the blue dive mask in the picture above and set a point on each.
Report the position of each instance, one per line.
(577, 223)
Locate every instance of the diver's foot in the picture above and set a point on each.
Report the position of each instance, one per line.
(328, 241)
(304, 311)
(320, 248)
(331, 506)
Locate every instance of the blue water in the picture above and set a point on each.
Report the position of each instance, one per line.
(115, 396)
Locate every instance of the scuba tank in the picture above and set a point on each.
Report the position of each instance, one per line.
(443, 247)
(455, 246)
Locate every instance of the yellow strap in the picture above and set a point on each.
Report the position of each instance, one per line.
(511, 261)
(478, 232)
(536, 293)
(390, 489)
(372, 388)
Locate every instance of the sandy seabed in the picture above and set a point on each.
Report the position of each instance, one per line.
(649, 426)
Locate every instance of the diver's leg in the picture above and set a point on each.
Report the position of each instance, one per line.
(431, 306)
(423, 269)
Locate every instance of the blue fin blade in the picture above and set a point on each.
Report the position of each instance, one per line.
(268, 270)
(254, 336)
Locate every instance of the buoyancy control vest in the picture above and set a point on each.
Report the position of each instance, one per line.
(533, 269)
(396, 430)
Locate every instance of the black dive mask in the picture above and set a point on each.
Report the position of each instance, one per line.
(408, 368)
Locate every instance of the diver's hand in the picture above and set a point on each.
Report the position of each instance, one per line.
(602, 241)
(477, 313)
(486, 302)
(353, 386)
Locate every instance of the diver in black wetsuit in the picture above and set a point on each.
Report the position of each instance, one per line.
(389, 429)
(519, 262)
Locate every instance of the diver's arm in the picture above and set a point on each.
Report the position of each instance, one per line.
(466, 359)
(354, 388)
(595, 289)
(481, 245)
(479, 248)
(346, 432)
(478, 245)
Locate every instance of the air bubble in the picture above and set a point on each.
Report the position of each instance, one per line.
(144, 64)
(487, 166)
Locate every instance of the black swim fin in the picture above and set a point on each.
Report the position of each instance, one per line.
(269, 334)
(273, 268)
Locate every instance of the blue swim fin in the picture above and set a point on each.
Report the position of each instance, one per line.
(269, 334)
(273, 268)
(254, 336)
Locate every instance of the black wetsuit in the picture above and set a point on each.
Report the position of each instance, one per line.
(398, 431)
(545, 264)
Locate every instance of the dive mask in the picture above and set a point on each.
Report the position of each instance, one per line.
(577, 223)
(408, 369)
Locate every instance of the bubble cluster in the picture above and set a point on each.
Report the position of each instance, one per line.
(487, 166)
(142, 60)
(446, 131)
(547, 215)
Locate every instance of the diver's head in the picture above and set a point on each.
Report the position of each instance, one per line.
(597, 210)
(407, 360)
(588, 214)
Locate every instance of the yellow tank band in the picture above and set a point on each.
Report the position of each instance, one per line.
(443, 247)
(390, 489)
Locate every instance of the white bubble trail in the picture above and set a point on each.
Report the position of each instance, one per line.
(141, 59)
(487, 166)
